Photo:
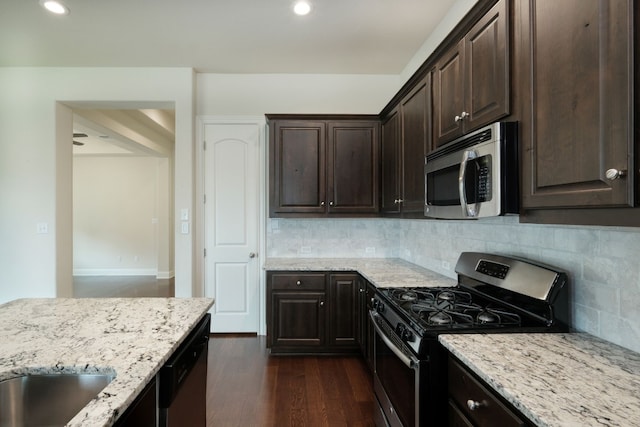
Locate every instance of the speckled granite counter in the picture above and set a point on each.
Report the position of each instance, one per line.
(556, 379)
(131, 337)
(382, 272)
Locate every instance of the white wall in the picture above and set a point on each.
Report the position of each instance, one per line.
(35, 166)
(259, 94)
(115, 215)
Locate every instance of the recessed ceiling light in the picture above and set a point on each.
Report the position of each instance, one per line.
(301, 8)
(55, 6)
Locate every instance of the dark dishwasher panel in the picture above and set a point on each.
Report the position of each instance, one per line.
(182, 381)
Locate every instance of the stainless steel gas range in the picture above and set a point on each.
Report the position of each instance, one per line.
(495, 294)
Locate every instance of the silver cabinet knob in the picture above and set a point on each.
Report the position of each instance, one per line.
(252, 255)
(322, 203)
(321, 303)
(298, 283)
(474, 404)
(330, 203)
(461, 117)
(613, 174)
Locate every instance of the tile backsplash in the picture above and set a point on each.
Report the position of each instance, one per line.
(603, 263)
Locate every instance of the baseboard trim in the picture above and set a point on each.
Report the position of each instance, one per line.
(115, 272)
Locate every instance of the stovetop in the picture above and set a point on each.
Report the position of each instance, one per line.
(494, 294)
(443, 309)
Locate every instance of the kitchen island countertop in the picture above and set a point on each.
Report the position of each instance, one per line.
(381, 272)
(128, 337)
(556, 380)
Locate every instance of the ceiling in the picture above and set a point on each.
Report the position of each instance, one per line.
(123, 132)
(221, 36)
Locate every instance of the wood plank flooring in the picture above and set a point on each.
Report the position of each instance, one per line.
(122, 286)
(247, 387)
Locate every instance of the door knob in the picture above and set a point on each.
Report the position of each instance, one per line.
(252, 255)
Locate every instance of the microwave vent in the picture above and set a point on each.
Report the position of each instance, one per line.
(460, 143)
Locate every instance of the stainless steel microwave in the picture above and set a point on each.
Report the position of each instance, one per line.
(474, 176)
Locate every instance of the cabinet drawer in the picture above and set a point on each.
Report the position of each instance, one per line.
(299, 282)
(464, 388)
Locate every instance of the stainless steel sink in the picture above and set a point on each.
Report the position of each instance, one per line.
(47, 400)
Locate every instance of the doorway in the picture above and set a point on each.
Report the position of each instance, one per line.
(123, 180)
(233, 205)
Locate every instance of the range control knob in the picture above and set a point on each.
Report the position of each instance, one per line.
(408, 336)
(400, 328)
(380, 307)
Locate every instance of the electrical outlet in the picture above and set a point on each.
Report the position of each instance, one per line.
(446, 265)
(305, 249)
(370, 250)
(42, 228)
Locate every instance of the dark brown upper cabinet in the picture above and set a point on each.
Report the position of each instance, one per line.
(577, 98)
(471, 84)
(405, 141)
(320, 167)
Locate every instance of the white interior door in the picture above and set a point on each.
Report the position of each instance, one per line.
(231, 223)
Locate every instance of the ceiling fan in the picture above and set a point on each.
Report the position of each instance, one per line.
(79, 135)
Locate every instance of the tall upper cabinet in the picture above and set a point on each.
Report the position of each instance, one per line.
(576, 58)
(471, 80)
(405, 141)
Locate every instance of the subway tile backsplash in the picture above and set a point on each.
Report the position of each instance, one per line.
(603, 262)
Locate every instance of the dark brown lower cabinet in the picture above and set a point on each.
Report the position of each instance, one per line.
(142, 412)
(472, 403)
(312, 312)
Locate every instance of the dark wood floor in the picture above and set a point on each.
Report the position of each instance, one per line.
(122, 286)
(247, 387)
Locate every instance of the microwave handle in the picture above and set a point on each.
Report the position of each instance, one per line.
(467, 210)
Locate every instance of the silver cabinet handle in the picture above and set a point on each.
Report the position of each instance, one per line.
(252, 255)
(457, 119)
(613, 174)
(474, 404)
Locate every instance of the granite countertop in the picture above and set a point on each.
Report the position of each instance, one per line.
(381, 272)
(558, 380)
(128, 337)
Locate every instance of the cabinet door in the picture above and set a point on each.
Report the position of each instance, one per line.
(416, 111)
(472, 80)
(298, 177)
(343, 310)
(352, 166)
(577, 102)
(390, 169)
(487, 81)
(448, 95)
(297, 319)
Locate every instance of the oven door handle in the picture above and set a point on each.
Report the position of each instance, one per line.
(468, 211)
(409, 361)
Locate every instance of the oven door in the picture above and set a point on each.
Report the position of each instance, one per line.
(397, 377)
